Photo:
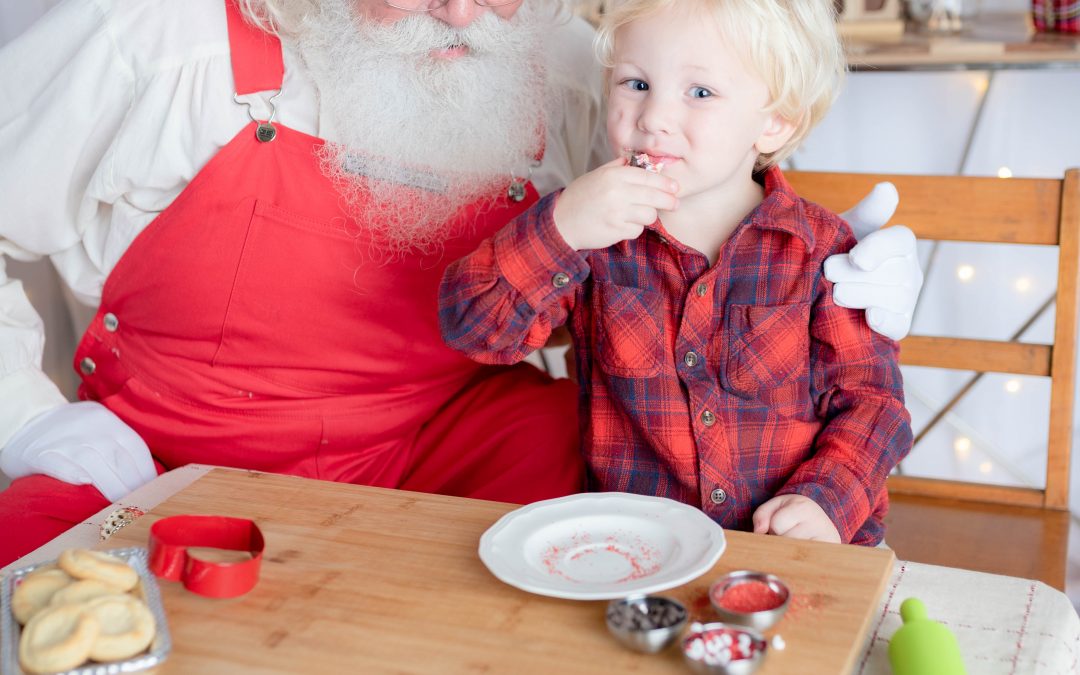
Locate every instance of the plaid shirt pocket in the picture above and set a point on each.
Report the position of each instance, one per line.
(629, 334)
(768, 348)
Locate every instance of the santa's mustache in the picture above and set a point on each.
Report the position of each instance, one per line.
(411, 137)
(419, 34)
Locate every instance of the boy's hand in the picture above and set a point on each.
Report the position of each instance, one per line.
(797, 517)
(612, 203)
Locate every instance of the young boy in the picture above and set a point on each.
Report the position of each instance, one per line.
(714, 366)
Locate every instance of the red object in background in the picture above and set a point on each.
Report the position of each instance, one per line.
(749, 596)
(1059, 16)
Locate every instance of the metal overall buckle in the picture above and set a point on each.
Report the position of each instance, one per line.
(265, 131)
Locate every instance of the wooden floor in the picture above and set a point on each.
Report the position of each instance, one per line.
(1017, 541)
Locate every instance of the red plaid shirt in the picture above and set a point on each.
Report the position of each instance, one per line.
(720, 387)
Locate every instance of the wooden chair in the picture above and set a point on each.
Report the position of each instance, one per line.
(1007, 530)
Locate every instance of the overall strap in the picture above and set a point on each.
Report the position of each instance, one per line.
(256, 55)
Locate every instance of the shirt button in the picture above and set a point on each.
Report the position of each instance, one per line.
(87, 366)
(718, 496)
(691, 359)
(708, 418)
(702, 289)
(111, 322)
(560, 280)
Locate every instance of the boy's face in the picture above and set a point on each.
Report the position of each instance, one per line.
(679, 93)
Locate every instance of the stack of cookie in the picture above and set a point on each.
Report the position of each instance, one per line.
(83, 608)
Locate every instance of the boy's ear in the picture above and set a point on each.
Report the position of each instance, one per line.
(778, 130)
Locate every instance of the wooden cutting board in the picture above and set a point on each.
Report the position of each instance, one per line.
(359, 579)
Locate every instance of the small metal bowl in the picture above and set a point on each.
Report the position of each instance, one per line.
(646, 623)
(722, 649)
(761, 619)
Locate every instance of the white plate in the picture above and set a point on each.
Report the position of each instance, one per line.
(599, 546)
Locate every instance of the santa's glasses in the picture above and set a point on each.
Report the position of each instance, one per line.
(432, 5)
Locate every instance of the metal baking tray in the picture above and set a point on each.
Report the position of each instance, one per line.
(147, 589)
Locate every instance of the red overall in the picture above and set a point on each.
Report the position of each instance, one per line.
(248, 325)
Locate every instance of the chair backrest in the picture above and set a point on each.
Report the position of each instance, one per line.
(976, 209)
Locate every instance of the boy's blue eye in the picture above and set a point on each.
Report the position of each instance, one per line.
(637, 85)
(700, 92)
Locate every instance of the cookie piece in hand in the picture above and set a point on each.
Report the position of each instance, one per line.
(643, 161)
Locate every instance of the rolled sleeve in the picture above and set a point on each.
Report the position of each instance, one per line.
(533, 257)
(501, 302)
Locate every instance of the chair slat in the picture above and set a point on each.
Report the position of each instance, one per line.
(976, 492)
(978, 355)
(950, 208)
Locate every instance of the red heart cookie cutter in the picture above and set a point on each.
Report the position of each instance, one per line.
(171, 537)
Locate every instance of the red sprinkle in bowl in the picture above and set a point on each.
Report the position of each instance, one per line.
(754, 599)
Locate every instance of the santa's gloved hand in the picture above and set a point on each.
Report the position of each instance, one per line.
(80, 443)
(881, 273)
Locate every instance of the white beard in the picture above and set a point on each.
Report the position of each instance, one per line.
(454, 131)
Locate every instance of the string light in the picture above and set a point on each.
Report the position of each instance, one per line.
(1005, 172)
(962, 446)
(986, 467)
(965, 273)
(1022, 284)
(1012, 386)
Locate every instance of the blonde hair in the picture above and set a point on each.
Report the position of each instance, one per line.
(792, 45)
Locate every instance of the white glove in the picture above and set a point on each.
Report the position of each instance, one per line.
(881, 273)
(81, 443)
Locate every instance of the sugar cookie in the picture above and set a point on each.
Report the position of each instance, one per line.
(127, 627)
(35, 591)
(86, 564)
(57, 638)
(83, 590)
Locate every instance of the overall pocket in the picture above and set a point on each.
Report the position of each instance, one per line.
(293, 306)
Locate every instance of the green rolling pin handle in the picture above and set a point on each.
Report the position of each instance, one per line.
(923, 646)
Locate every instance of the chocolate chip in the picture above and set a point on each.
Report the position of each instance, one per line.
(645, 614)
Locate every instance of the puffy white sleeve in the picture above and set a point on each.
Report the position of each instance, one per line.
(65, 94)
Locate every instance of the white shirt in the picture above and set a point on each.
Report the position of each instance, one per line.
(110, 107)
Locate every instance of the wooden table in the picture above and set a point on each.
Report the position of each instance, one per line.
(988, 41)
(358, 579)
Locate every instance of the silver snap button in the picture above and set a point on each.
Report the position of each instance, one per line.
(516, 191)
(718, 496)
(111, 322)
(702, 289)
(708, 418)
(691, 359)
(560, 280)
(265, 132)
(87, 366)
